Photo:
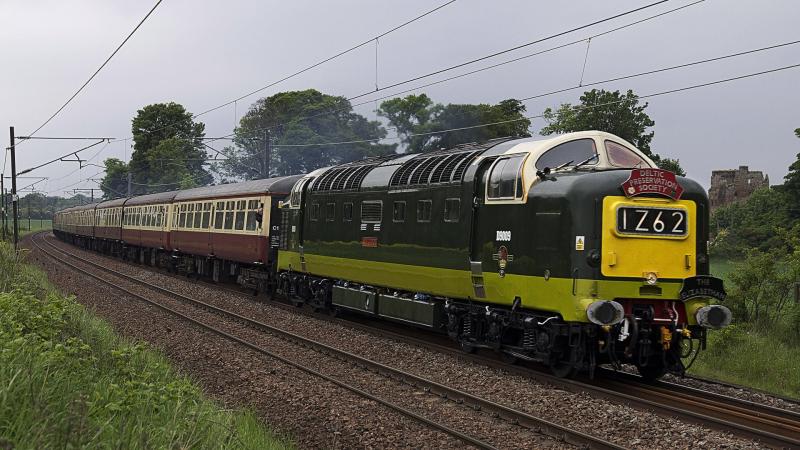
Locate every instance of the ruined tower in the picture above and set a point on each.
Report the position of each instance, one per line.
(728, 186)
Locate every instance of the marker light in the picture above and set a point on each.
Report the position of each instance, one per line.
(713, 316)
(605, 312)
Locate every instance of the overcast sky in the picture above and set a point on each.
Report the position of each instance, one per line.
(205, 53)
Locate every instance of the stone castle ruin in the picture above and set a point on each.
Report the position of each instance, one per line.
(728, 186)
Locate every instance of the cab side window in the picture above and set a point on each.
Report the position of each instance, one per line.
(505, 178)
(621, 156)
(572, 152)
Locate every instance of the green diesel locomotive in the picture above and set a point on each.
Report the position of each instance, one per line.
(573, 251)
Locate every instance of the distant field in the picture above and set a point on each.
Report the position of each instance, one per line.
(721, 267)
(33, 226)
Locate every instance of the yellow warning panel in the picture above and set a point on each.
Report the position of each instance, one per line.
(643, 236)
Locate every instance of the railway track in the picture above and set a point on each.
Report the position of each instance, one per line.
(468, 401)
(772, 426)
(776, 427)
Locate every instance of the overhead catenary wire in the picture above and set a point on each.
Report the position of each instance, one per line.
(577, 108)
(475, 71)
(127, 38)
(509, 50)
(314, 65)
(61, 158)
(594, 83)
(664, 69)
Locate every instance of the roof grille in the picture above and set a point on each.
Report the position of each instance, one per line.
(347, 176)
(444, 166)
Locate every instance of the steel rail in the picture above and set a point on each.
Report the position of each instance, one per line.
(534, 423)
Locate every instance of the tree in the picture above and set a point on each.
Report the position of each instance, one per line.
(299, 126)
(115, 182)
(612, 112)
(750, 224)
(791, 184)
(417, 120)
(762, 286)
(168, 151)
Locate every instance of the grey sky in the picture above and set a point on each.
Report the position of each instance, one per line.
(204, 53)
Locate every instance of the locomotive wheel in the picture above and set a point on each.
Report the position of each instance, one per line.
(562, 369)
(560, 364)
(510, 359)
(652, 371)
(466, 347)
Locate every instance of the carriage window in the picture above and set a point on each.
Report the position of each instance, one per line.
(239, 225)
(399, 212)
(206, 215)
(218, 215)
(347, 212)
(372, 211)
(505, 178)
(314, 212)
(229, 206)
(424, 208)
(229, 219)
(452, 209)
(572, 152)
(159, 216)
(252, 219)
(330, 212)
(621, 156)
(182, 217)
(198, 217)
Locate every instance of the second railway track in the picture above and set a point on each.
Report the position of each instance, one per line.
(471, 404)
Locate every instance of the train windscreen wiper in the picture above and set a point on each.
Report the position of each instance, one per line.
(585, 161)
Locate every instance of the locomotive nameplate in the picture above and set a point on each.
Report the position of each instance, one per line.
(667, 222)
(652, 181)
(702, 286)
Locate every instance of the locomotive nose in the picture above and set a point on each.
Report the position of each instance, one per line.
(714, 316)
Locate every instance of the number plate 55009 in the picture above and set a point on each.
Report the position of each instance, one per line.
(652, 221)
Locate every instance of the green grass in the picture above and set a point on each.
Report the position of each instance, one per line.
(35, 225)
(26, 228)
(760, 360)
(721, 267)
(67, 381)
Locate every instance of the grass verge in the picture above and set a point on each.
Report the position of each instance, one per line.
(67, 381)
(763, 359)
(750, 358)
